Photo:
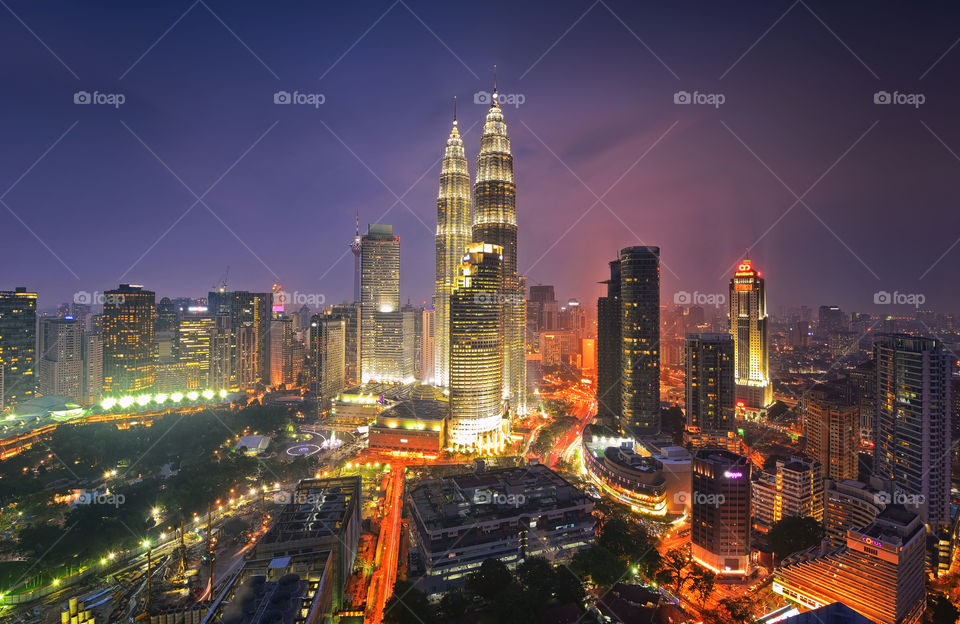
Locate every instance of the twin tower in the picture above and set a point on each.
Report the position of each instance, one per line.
(480, 300)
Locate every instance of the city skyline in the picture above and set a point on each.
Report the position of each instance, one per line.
(321, 165)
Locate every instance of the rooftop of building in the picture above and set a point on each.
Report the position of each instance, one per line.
(318, 508)
(720, 456)
(416, 409)
(835, 613)
(470, 498)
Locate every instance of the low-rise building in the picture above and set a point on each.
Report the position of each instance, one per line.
(416, 425)
(458, 522)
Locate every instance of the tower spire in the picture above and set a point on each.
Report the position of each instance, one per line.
(454, 110)
(494, 79)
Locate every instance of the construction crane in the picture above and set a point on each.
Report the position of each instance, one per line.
(221, 284)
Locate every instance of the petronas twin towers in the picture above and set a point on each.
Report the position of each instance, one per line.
(466, 360)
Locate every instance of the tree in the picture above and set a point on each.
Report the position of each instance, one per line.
(940, 610)
(602, 566)
(492, 578)
(536, 576)
(703, 584)
(453, 604)
(408, 605)
(676, 569)
(735, 610)
(793, 534)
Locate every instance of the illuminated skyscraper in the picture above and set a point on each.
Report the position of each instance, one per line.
(250, 315)
(428, 340)
(609, 348)
(454, 233)
(327, 349)
(350, 313)
(476, 351)
(129, 351)
(194, 336)
(18, 338)
(912, 431)
(720, 512)
(60, 361)
(495, 223)
(831, 428)
(709, 382)
(748, 326)
(640, 340)
(380, 316)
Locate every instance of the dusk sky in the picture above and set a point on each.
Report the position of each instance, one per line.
(837, 196)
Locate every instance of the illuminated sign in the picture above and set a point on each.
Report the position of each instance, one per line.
(873, 542)
(197, 309)
(733, 474)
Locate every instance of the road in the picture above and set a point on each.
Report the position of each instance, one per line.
(388, 546)
(584, 410)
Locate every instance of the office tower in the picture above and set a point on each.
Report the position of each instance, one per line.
(720, 512)
(412, 336)
(542, 304)
(709, 382)
(327, 353)
(380, 304)
(476, 351)
(454, 233)
(794, 488)
(748, 326)
(912, 431)
(831, 426)
(640, 339)
(129, 351)
(167, 315)
(281, 351)
(81, 312)
(830, 319)
(495, 223)
(863, 380)
(350, 313)
(356, 246)
(571, 318)
(92, 368)
(588, 356)
(60, 361)
(428, 345)
(221, 353)
(18, 337)
(194, 335)
(250, 363)
(849, 504)
(609, 346)
(879, 573)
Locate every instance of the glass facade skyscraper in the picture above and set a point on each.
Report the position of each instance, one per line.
(495, 223)
(476, 351)
(380, 316)
(640, 340)
(18, 345)
(748, 326)
(129, 350)
(454, 233)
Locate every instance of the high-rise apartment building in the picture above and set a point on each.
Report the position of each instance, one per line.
(640, 340)
(709, 382)
(476, 351)
(748, 326)
(92, 367)
(381, 324)
(720, 496)
(912, 430)
(129, 351)
(795, 488)
(18, 338)
(454, 233)
(60, 360)
(495, 223)
(849, 504)
(831, 426)
(609, 348)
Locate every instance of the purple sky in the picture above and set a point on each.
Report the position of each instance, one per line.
(598, 82)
